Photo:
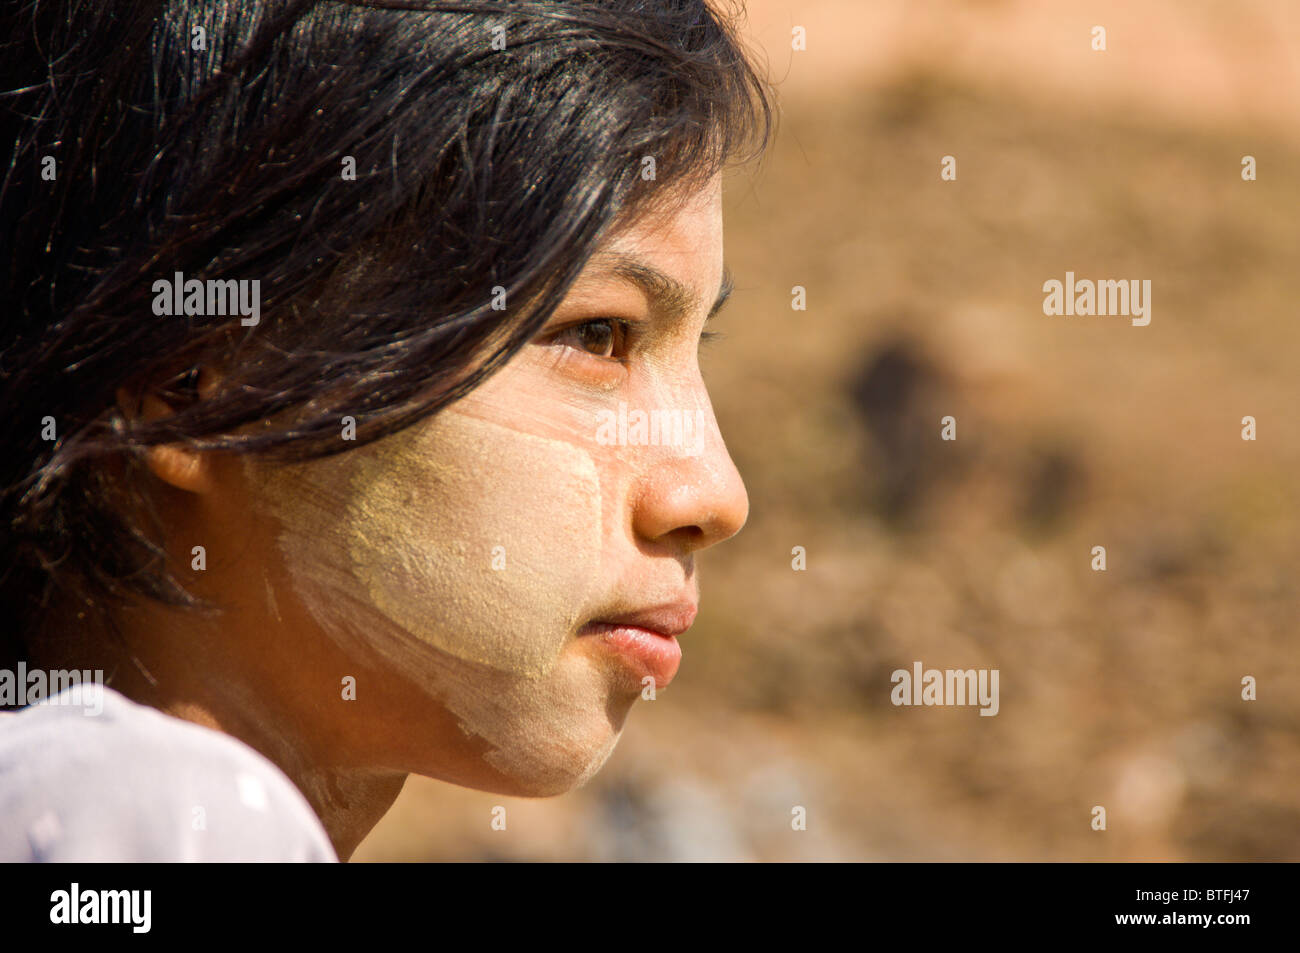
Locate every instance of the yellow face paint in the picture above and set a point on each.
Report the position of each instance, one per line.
(473, 538)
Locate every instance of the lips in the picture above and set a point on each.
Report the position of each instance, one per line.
(667, 621)
(644, 642)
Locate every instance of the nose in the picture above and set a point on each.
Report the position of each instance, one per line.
(693, 497)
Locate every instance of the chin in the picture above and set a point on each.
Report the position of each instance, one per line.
(553, 748)
(561, 759)
(525, 737)
(557, 779)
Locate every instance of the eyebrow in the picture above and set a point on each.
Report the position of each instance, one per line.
(667, 295)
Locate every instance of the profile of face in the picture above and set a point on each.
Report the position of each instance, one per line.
(497, 585)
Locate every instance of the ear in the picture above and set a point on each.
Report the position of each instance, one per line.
(173, 463)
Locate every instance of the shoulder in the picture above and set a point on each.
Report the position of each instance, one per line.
(101, 778)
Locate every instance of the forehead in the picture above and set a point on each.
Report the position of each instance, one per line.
(684, 231)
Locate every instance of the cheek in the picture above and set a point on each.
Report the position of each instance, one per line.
(473, 538)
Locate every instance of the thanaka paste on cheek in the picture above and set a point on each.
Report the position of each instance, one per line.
(473, 538)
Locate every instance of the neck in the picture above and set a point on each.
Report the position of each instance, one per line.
(348, 801)
(192, 674)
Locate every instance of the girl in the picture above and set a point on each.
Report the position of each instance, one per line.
(318, 316)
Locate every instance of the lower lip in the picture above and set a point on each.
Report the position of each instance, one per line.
(645, 653)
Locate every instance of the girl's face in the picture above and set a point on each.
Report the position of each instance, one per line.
(503, 580)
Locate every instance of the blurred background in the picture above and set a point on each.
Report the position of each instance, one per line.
(924, 298)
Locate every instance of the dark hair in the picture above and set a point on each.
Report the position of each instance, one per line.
(210, 138)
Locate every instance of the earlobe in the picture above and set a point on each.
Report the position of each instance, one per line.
(173, 463)
(185, 469)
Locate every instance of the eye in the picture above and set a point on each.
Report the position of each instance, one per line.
(600, 337)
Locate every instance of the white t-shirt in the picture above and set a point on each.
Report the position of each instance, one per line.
(131, 784)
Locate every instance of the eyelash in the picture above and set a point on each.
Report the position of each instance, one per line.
(623, 332)
(627, 333)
